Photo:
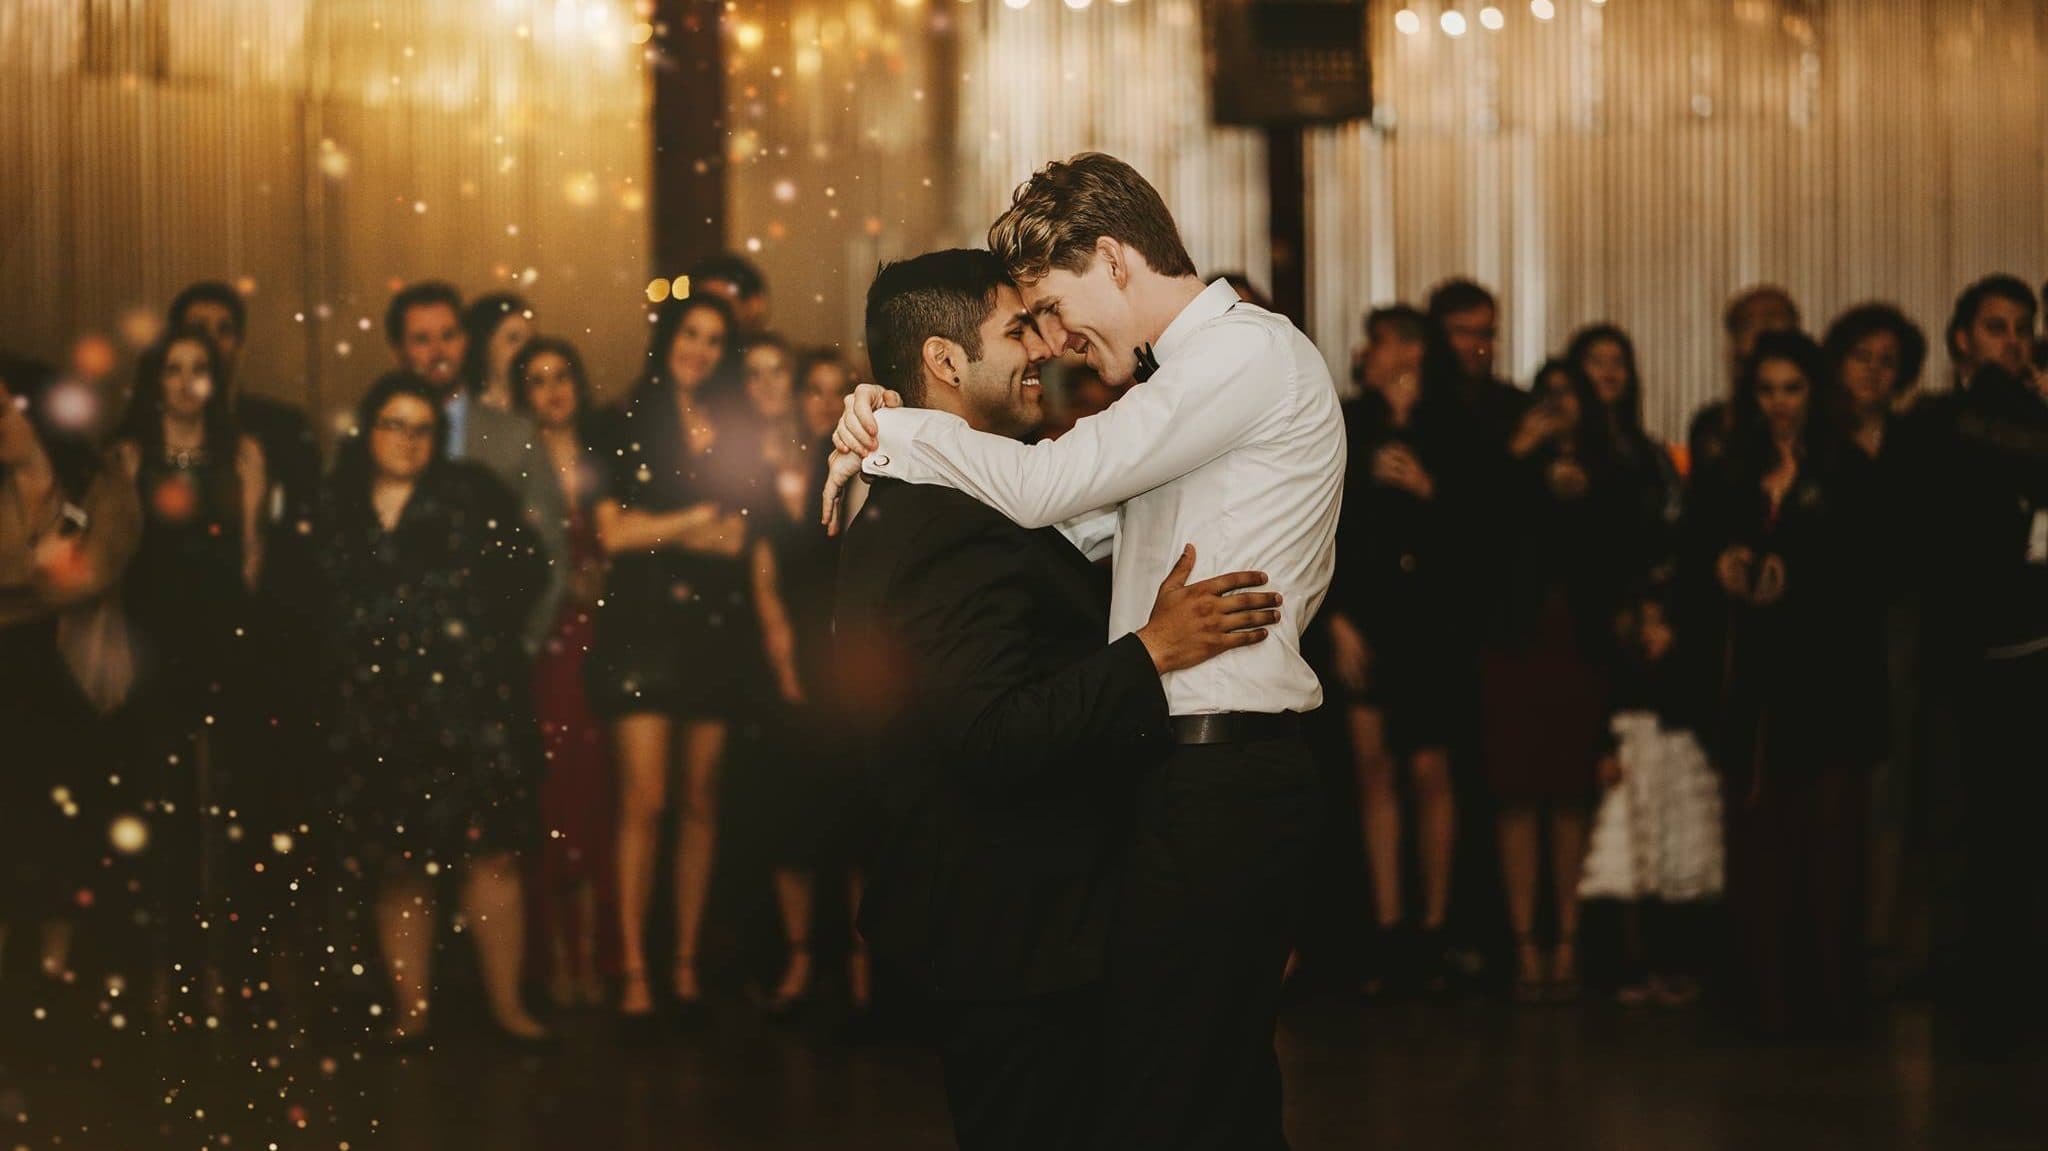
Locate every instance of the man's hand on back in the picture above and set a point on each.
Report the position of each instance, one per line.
(1192, 623)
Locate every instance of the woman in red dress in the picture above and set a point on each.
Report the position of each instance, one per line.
(575, 897)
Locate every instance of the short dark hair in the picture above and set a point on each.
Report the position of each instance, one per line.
(540, 346)
(1401, 320)
(1864, 320)
(811, 359)
(1459, 295)
(734, 269)
(1756, 293)
(1056, 217)
(211, 292)
(348, 484)
(946, 294)
(1972, 301)
(425, 293)
(480, 322)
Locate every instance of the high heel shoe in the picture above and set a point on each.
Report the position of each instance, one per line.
(640, 1027)
(1532, 979)
(1564, 973)
(686, 1012)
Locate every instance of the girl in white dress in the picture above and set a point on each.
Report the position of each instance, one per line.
(1656, 845)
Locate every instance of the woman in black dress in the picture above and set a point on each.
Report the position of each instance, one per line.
(1642, 464)
(679, 642)
(188, 596)
(1562, 564)
(1781, 533)
(1390, 649)
(68, 525)
(431, 573)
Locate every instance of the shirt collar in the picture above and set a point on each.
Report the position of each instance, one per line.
(1215, 300)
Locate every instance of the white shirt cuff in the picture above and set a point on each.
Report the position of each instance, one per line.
(898, 430)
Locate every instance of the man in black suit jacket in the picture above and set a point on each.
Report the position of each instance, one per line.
(1002, 737)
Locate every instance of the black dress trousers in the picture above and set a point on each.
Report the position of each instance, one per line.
(1021, 1073)
(1218, 874)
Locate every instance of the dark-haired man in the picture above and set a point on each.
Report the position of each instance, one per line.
(1231, 438)
(741, 284)
(1004, 739)
(423, 326)
(1754, 311)
(1993, 323)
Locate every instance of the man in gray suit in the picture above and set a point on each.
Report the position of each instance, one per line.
(423, 325)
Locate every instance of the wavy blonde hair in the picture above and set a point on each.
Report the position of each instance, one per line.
(1055, 218)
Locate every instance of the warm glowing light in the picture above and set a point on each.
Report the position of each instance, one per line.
(642, 33)
(581, 189)
(657, 290)
(1542, 9)
(1077, 5)
(1491, 19)
(128, 834)
(784, 190)
(1017, 3)
(680, 287)
(748, 36)
(1453, 23)
(1408, 22)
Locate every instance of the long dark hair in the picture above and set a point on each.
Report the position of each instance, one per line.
(143, 423)
(1752, 439)
(722, 397)
(1628, 410)
(348, 485)
(66, 438)
(1865, 320)
(485, 315)
(535, 348)
(1593, 440)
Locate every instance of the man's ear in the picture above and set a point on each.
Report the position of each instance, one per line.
(1113, 255)
(941, 360)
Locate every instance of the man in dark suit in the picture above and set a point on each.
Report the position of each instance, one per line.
(1004, 740)
(423, 325)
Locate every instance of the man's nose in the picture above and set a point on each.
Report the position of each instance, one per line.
(1036, 349)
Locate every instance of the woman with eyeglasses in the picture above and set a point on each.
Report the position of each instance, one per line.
(431, 572)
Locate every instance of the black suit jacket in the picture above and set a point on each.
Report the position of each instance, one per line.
(1000, 738)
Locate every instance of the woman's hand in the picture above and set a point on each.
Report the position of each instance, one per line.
(1396, 466)
(1733, 571)
(1350, 655)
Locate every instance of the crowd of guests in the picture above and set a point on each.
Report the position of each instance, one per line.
(499, 656)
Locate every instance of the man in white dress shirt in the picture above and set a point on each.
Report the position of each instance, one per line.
(1230, 439)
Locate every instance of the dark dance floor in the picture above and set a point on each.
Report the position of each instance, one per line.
(1403, 1078)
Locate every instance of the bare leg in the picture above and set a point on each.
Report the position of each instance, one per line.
(1382, 810)
(1518, 862)
(494, 903)
(588, 981)
(703, 747)
(793, 895)
(642, 742)
(1567, 858)
(859, 979)
(1436, 817)
(405, 930)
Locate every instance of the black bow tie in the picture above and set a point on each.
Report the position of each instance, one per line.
(1147, 363)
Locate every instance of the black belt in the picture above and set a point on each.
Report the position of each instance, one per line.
(1236, 727)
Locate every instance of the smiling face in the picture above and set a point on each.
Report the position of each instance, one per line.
(1086, 314)
(1000, 391)
(770, 386)
(550, 391)
(187, 380)
(696, 349)
(824, 393)
(402, 438)
(432, 343)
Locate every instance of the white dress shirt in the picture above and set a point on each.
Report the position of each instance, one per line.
(1236, 445)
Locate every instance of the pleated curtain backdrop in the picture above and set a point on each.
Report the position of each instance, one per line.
(317, 153)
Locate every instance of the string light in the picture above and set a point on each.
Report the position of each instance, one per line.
(1492, 19)
(1077, 5)
(1018, 4)
(1408, 22)
(1453, 22)
(1542, 9)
